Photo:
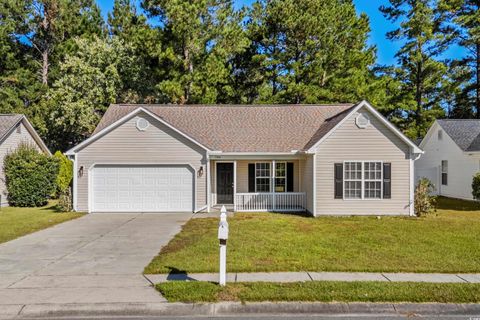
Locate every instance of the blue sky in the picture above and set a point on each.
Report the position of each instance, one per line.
(379, 25)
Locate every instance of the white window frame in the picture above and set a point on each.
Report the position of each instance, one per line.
(281, 177)
(269, 177)
(352, 180)
(363, 180)
(443, 172)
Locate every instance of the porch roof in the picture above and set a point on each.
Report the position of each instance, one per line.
(243, 128)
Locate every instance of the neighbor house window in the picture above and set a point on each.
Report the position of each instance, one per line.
(353, 180)
(363, 180)
(262, 177)
(444, 172)
(280, 176)
(440, 134)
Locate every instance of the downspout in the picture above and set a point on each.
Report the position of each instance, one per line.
(209, 194)
(413, 158)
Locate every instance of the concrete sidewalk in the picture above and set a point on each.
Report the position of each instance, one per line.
(320, 276)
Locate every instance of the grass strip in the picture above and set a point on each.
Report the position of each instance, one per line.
(322, 291)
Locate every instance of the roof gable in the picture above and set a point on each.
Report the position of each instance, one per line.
(9, 121)
(242, 128)
(464, 132)
(379, 116)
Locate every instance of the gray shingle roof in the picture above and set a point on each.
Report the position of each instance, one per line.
(244, 128)
(7, 121)
(464, 132)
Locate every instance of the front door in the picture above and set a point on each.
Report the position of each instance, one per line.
(224, 183)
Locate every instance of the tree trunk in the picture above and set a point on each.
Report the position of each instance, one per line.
(477, 84)
(418, 93)
(188, 65)
(45, 66)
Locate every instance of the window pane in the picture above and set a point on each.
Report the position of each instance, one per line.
(263, 184)
(280, 185)
(280, 169)
(353, 180)
(373, 190)
(262, 169)
(353, 189)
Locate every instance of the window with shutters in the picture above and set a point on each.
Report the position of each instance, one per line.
(262, 177)
(362, 180)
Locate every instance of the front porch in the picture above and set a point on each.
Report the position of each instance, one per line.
(258, 185)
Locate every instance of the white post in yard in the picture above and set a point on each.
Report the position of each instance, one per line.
(222, 237)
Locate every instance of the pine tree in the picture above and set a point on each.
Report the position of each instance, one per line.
(308, 51)
(462, 25)
(132, 28)
(421, 75)
(199, 40)
(51, 23)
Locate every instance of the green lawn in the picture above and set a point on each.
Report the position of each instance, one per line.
(16, 222)
(329, 291)
(446, 242)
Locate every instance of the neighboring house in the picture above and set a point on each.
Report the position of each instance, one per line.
(15, 129)
(326, 159)
(452, 157)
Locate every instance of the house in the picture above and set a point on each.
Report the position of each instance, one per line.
(15, 129)
(452, 157)
(325, 159)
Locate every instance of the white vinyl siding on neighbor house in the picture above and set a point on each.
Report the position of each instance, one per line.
(461, 165)
(157, 145)
(9, 144)
(375, 143)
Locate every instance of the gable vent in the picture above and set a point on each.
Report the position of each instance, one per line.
(362, 121)
(142, 124)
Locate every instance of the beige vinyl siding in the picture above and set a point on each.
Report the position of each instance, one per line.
(376, 142)
(127, 145)
(242, 174)
(307, 181)
(9, 144)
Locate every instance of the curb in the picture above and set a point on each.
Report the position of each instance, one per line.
(236, 308)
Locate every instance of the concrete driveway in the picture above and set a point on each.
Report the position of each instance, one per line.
(98, 258)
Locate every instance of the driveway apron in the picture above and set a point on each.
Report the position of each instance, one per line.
(98, 258)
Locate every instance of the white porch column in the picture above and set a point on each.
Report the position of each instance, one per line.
(235, 185)
(273, 185)
(209, 187)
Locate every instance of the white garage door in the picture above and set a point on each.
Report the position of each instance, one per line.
(142, 188)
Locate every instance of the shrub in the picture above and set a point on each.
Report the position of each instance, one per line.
(30, 176)
(65, 201)
(476, 186)
(65, 173)
(424, 201)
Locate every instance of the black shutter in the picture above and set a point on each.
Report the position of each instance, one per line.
(251, 177)
(338, 180)
(387, 180)
(290, 170)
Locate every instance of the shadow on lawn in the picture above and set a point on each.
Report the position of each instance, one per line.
(444, 203)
